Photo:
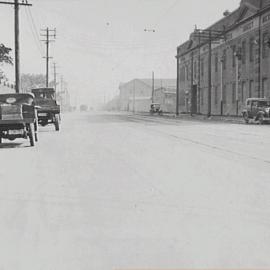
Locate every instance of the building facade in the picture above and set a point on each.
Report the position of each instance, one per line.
(136, 95)
(218, 68)
(167, 98)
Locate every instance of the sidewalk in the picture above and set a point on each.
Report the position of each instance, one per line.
(197, 117)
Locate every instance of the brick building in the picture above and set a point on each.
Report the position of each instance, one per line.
(239, 62)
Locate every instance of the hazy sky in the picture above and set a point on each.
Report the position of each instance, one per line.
(101, 43)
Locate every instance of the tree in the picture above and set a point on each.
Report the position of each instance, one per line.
(5, 58)
(31, 81)
(4, 55)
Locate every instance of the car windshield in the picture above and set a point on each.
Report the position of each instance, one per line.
(43, 95)
(264, 103)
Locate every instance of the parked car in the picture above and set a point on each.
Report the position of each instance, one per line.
(18, 117)
(155, 108)
(83, 108)
(48, 109)
(257, 109)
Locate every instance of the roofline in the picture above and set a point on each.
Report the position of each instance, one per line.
(259, 13)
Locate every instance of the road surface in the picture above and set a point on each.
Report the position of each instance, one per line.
(115, 191)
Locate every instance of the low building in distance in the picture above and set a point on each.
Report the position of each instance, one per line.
(137, 94)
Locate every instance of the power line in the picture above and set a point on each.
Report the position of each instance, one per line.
(35, 36)
(34, 27)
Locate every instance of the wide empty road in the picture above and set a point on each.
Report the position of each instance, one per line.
(115, 191)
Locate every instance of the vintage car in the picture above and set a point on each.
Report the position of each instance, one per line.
(155, 108)
(257, 109)
(48, 109)
(18, 117)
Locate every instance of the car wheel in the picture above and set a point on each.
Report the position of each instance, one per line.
(31, 134)
(57, 123)
(36, 132)
(1, 140)
(245, 116)
(36, 136)
(260, 119)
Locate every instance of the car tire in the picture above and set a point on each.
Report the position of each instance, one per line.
(31, 134)
(36, 136)
(57, 123)
(36, 132)
(1, 140)
(260, 120)
(246, 119)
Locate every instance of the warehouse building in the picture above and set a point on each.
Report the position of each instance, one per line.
(137, 94)
(219, 67)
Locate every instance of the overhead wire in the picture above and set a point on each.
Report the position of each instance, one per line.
(33, 30)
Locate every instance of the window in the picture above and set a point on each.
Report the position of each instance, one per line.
(195, 69)
(264, 86)
(266, 18)
(216, 95)
(243, 91)
(243, 52)
(183, 74)
(264, 45)
(202, 67)
(202, 95)
(233, 93)
(224, 57)
(233, 55)
(251, 49)
(187, 73)
(251, 88)
(224, 98)
(216, 63)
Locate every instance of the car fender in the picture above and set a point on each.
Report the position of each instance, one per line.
(259, 114)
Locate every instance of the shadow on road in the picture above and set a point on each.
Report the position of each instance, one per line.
(12, 145)
(107, 118)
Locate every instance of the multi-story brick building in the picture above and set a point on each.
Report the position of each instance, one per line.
(239, 62)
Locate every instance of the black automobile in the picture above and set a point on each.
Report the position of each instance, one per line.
(48, 109)
(18, 117)
(257, 109)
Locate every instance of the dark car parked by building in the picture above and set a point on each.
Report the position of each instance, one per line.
(257, 109)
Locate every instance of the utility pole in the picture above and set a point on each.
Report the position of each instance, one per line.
(153, 86)
(133, 96)
(17, 46)
(221, 84)
(55, 77)
(177, 83)
(192, 100)
(16, 5)
(49, 38)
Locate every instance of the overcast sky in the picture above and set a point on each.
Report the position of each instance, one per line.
(101, 43)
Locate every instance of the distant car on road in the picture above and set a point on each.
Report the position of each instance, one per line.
(257, 109)
(48, 109)
(83, 108)
(18, 117)
(155, 108)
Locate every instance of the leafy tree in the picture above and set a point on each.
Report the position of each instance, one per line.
(5, 58)
(31, 81)
(4, 55)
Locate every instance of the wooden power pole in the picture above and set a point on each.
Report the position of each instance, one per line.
(16, 5)
(49, 38)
